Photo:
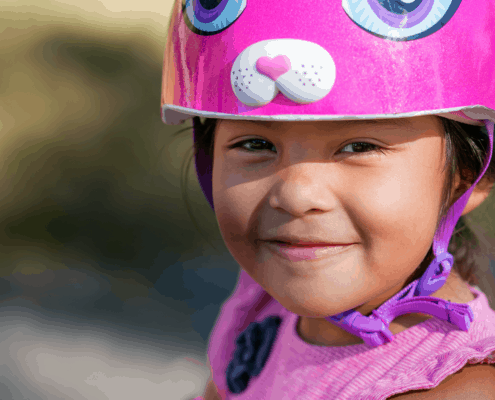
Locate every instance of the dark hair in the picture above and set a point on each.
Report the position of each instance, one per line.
(465, 147)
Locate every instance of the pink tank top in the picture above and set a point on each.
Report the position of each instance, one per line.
(419, 357)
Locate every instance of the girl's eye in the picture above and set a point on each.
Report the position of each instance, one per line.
(359, 146)
(260, 144)
(257, 143)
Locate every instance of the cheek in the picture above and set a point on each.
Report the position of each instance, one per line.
(397, 213)
(235, 200)
(400, 205)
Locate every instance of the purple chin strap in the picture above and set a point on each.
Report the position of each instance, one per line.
(414, 298)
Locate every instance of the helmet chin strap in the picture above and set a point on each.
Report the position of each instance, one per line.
(415, 298)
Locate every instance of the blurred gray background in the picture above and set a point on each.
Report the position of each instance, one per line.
(107, 289)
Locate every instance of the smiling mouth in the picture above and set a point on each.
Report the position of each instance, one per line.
(301, 252)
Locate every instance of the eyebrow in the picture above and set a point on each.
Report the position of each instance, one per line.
(387, 121)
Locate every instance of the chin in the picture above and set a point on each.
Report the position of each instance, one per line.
(313, 312)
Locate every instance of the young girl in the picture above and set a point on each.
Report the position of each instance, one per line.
(343, 143)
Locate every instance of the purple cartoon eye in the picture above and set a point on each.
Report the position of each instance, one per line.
(401, 20)
(209, 17)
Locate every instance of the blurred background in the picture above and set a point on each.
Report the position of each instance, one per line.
(107, 289)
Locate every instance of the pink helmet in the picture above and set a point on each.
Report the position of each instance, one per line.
(339, 60)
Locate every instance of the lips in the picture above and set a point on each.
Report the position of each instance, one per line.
(299, 252)
(308, 244)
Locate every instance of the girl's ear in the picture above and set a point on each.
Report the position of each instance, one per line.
(480, 192)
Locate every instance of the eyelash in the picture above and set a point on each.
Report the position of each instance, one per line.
(375, 150)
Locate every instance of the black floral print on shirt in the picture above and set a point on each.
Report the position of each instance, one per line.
(253, 347)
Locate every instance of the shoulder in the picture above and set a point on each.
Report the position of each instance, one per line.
(473, 382)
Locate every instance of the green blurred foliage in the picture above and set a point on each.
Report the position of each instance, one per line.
(87, 168)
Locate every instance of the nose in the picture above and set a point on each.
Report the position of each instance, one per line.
(300, 189)
(273, 67)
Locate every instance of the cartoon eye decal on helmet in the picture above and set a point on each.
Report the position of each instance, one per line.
(401, 20)
(209, 17)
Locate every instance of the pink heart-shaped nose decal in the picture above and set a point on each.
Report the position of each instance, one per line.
(273, 67)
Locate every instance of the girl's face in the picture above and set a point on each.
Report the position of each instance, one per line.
(375, 185)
